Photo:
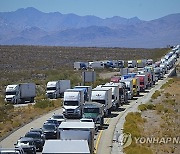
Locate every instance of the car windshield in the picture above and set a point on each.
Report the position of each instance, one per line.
(99, 101)
(25, 143)
(90, 115)
(71, 103)
(39, 131)
(58, 116)
(51, 121)
(51, 88)
(11, 93)
(91, 110)
(49, 127)
(33, 135)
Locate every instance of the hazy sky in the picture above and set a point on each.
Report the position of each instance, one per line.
(143, 9)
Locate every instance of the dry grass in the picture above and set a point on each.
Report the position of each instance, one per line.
(133, 125)
(22, 115)
(164, 120)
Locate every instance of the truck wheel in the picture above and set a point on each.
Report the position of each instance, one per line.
(15, 101)
(102, 121)
(41, 149)
(22, 101)
(32, 100)
(117, 106)
(109, 111)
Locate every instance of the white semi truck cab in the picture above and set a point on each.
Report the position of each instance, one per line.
(129, 86)
(55, 89)
(103, 95)
(12, 93)
(19, 93)
(115, 94)
(73, 103)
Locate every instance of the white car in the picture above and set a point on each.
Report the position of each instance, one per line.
(59, 117)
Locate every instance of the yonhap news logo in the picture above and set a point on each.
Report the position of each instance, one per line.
(125, 139)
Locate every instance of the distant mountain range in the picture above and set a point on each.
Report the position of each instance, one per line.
(32, 27)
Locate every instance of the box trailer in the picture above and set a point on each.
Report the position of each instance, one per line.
(71, 130)
(66, 147)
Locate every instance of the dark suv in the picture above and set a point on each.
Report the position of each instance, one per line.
(27, 144)
(38, 139)
(50, 131)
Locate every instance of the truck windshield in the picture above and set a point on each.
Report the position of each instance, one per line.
(91, 110)
(51, 88)
(128, 89)
(141, 83)
(99, 101)
(11, 93)
(71, 103)
(121, 91)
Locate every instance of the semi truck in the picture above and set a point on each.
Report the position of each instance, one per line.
(129, 87)
(115, 79)
(20, 93)
(95, 111)
(72, 130)
(80, 65)
(56, 89)
(103, 95)
(73, 103)
(66, 147)
(150, 69)
(143, 81)
(132, 63)
(115, 94)
(164, 67)
(141, 63)
(157, 72)
(87, 91)
(123, 94)
(96, 65)
(136, 86)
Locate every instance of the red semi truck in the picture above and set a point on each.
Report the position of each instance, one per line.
(143, 81)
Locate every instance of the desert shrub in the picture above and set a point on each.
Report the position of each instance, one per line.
(159, 108)
(167, 95)
(138, 149)
(44, 104)
(170, 101)
(156, 94)
(133, 125)
(151, 106)
(142, 107)
(169, 82)
(16, 124)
